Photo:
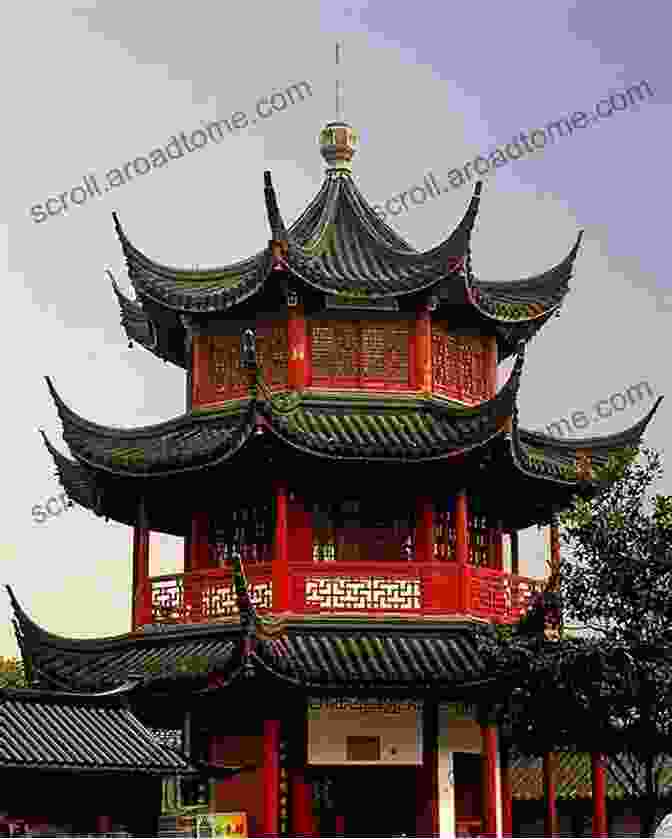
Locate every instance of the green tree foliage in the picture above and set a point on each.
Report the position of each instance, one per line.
(12, 673)
(611, 691)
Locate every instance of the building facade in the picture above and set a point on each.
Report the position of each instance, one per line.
(350, 484)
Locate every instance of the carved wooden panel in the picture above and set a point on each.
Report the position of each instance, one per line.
(459, 365)
(273, 353)
(360, 354)
(227, 377)
(367, 593)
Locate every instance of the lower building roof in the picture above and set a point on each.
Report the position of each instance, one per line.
(69, 732)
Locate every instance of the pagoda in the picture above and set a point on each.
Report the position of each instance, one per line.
(349, 483)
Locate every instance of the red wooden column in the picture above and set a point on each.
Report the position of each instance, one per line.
(515, 567)
(104, 824)
(598, 771)
(427, 777)
(462, 549)
(498, 546)
(423, 350)
(141, 603)
(297, 365)
(199, 368)
(280, 563)
(492, 366)
(187, 552)
(507, 792)
(198, 545)
(489, 776)
(550, 812)
(271, 776)
(300, 788)
(424, 551)
(300, 528)
(555, 545)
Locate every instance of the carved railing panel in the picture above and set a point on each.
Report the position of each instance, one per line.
(206, 595)
(319, 587)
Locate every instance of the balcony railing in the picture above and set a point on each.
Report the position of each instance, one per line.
(341, 588)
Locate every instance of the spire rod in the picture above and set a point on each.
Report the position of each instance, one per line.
(339, 85)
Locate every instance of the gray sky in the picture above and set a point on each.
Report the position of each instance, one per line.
(428, 86)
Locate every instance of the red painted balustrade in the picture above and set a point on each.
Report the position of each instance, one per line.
(342, 587)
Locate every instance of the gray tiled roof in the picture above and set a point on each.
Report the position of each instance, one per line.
(68, 732)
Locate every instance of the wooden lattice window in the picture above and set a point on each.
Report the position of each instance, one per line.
(460, 365)
(227, 375)
(370, 354)
(247, 530)
(444, 536)
(350, 531)
(273, 353)
(479, 541)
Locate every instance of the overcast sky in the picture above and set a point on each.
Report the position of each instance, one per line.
(428, 86)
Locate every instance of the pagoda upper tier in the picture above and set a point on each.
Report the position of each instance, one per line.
(338, 252)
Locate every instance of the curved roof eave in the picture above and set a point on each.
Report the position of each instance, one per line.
(603, 446)
(254, 271)
(552, 285)
(81, 436)
(616, 440)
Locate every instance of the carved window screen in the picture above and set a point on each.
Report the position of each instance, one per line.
(460, 365)
(366, 354)
(444, 536)
(248, 530)
(479, 541)
(273, 353)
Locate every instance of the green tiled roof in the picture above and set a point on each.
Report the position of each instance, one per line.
(352, 653)
(345, 427)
